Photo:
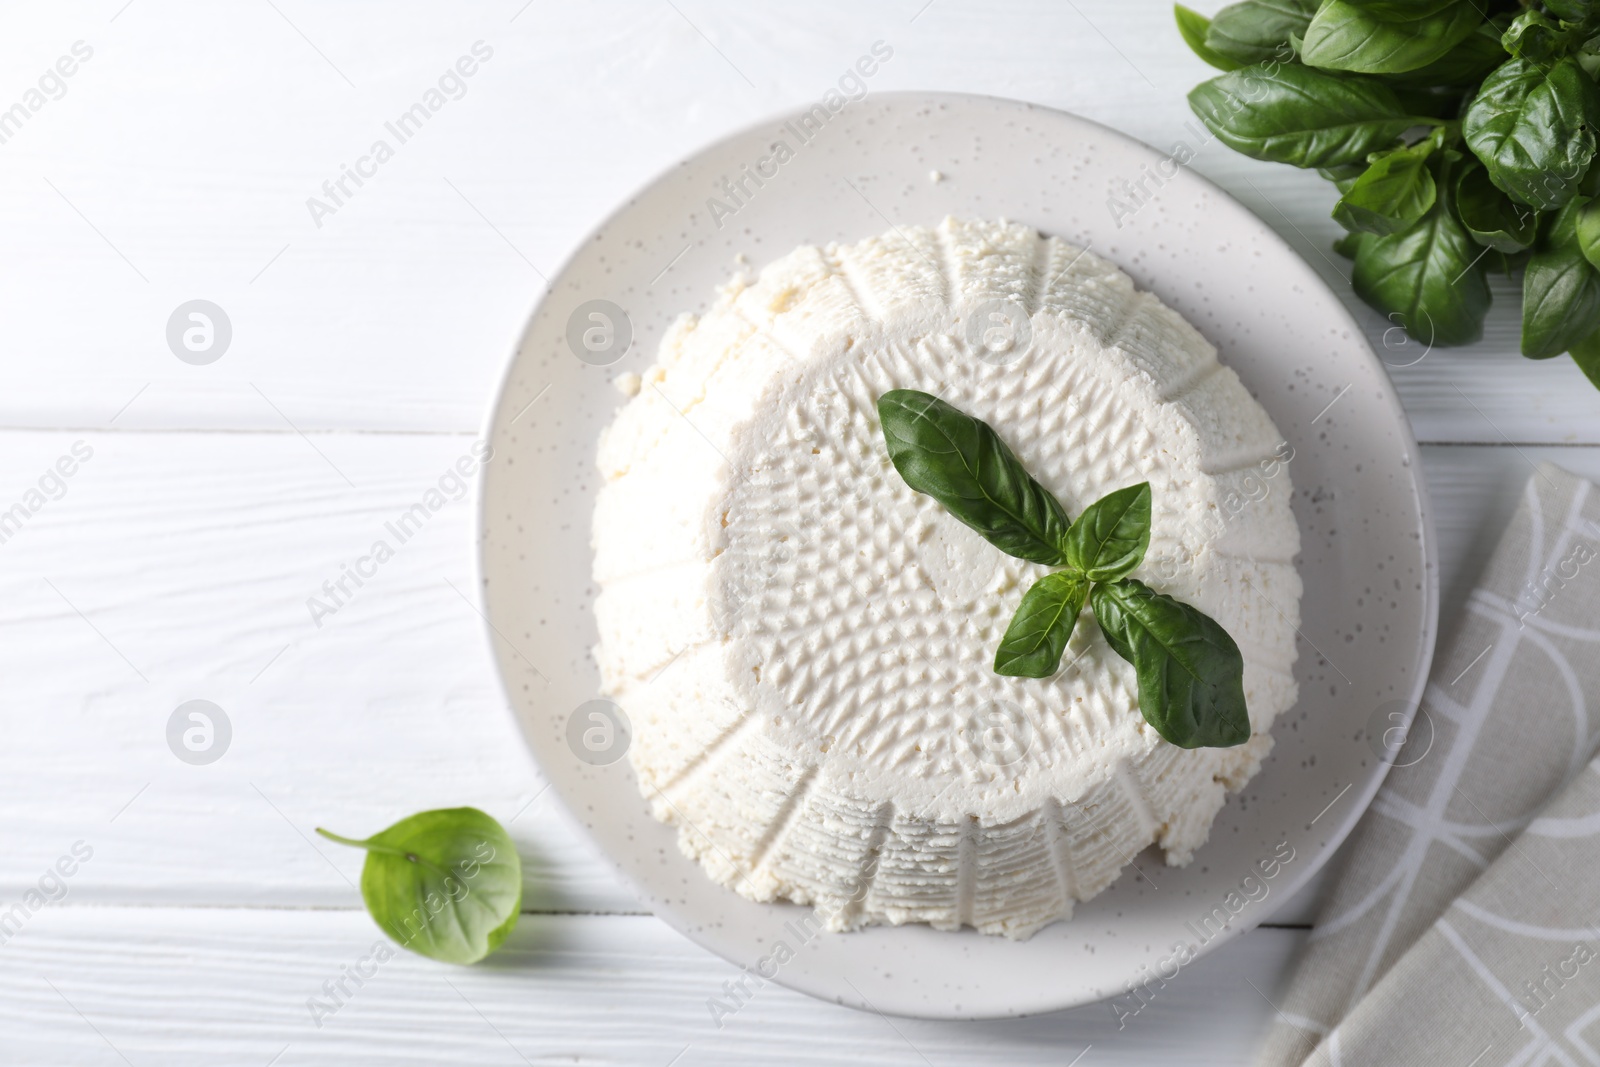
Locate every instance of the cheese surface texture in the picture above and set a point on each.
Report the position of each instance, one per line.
(804, 645)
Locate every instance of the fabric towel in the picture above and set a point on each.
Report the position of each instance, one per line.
(1398, 970)
(1510, 973)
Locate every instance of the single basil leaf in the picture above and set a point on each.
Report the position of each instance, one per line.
(1112, 535)
(1287, 113)
(1586, 231)
(1586, 354)
(1192, 27)
(1533, 36)
(1534, 130)
(1258, 30)
(1393, 193)
(1038, 634)
(1570, 10)
(446, 884)
(1431, 277)
(1490, 216)
(1427, 103)
(1468, 63)
(962, 463)
(1344, 36)
(1560, 291)
(1191, 673)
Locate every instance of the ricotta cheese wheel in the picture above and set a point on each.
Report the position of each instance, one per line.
(804, 645)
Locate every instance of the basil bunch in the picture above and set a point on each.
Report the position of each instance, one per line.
(1190, 672)
(1460, 134)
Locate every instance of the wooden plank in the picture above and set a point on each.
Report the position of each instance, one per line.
(191, 558)
(399, 311)
(187, 986)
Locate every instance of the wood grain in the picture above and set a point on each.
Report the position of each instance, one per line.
(399, 310)
(184, 986)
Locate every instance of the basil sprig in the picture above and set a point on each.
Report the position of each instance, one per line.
(1190, 672)
(1452, 129)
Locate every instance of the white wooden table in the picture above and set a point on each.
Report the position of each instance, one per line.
(175, 563)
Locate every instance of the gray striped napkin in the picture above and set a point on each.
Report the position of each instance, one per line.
(1449, 904)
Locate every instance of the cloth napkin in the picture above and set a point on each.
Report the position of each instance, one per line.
(1462, 930)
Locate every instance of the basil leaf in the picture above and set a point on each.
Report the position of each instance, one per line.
(962, 463)
(1490, 216)
(1570, 10)
(1534, 130)
(1465, 64)
(1586, 354)
(1347, 245)
(1586, 231)
(446, 884)
(1560, 291)
(1192, 27)
(1038, 634)
(1258, 30)
(1342, 175)
(1112, 535)
(1402, 9)
(1430, 276)
(1533, 36)
(1191, 674)
(1424, 103)
(1293, 114)
(1344, 36)
(1393, 193)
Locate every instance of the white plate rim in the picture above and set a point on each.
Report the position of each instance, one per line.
(1424, 646)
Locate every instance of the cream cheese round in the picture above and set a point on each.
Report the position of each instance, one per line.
(804, 645)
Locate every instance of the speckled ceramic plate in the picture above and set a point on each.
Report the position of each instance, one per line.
(1370, 597)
